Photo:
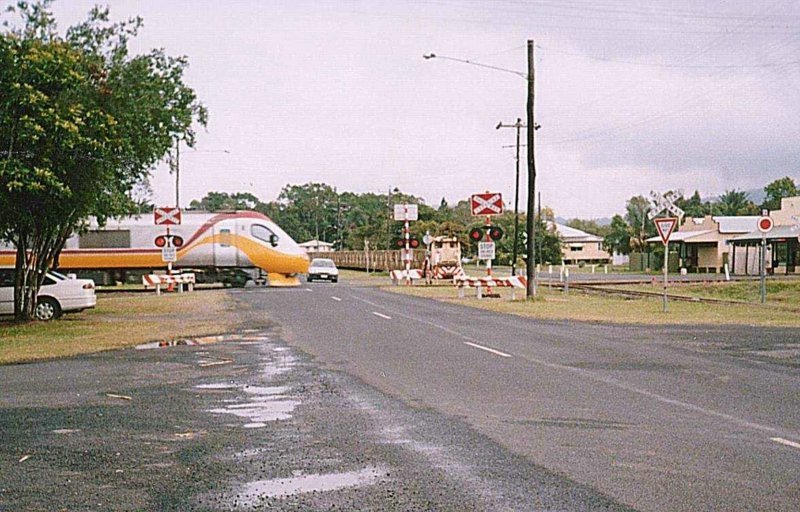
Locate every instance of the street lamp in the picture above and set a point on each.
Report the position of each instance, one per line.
(175, 166)
(530, 270)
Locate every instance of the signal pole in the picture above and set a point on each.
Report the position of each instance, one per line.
(518, 125)
(530, 270)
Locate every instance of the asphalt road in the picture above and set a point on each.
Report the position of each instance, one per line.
(336, 397)
(668, 418)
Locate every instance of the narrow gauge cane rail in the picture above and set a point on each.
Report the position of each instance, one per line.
(655, 294)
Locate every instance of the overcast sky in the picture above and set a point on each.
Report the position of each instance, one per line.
(631, 95)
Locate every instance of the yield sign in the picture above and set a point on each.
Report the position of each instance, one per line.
(665, 227)
(168, 216)
(487, 204)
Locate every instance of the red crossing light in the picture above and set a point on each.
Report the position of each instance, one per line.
(476, 234)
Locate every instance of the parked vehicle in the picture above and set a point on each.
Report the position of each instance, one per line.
(323, 269)
(58, 294)
(217, 243)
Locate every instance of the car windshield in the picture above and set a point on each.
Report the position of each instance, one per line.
(323, 263)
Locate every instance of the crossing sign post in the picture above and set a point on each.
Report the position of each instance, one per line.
(167, 216)
(665, 226)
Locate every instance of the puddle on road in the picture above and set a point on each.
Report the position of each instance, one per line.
(205, 340)
(254, 492)
(218, 385)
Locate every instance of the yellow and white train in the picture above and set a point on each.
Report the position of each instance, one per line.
(213, 242)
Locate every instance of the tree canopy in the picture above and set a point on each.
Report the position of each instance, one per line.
(82, 122)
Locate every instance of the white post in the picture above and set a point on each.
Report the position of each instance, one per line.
(666, 268)
(727, 273)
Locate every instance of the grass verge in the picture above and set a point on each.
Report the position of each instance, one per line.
(587, 307)
(119, 321)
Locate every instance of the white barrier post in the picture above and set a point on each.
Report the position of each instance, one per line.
(727, 273)
(566, 281)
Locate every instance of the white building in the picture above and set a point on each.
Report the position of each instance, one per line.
(316, 246)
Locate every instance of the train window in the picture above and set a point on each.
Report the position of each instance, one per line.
(6, 277)
(263, 233)
(225, 232)
(106, 239)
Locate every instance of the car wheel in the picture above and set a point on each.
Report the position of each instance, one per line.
(46, 309)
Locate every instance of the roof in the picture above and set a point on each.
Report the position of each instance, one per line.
(777, 233)
(571, 235)
(315, 243)
(736, 224)
(688, 236)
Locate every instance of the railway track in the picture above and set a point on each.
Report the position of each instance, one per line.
(641, 293)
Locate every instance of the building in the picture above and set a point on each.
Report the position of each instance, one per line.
(581, 247)
(703, 244)
(316, 246)
(782, 242)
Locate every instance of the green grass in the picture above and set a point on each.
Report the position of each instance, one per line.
(587, 307)
(779, 291)
(118, 321)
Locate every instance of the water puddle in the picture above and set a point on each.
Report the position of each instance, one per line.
(203, 340)
(218, 385)
(254, 492)
(260, 412)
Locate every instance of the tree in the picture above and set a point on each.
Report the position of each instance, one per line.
(222, 201)
(777, 190)
(82, 123)
(734, 202)
(693, 206)
(641, 227)
(618, 238)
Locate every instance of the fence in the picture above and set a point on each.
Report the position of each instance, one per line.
(378, 260)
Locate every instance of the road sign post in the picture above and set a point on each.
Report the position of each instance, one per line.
(167, 216)
(665, 227)
(488, 204)
(765, 225)
(406, 213)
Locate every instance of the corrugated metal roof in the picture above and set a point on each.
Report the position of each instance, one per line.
(569, 234)
(736, 224)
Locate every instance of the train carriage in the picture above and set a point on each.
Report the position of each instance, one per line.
(213, 242)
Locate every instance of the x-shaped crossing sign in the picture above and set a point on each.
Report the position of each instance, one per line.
(487, 204)
(167, 216)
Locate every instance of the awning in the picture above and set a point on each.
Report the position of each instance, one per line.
(778, 234)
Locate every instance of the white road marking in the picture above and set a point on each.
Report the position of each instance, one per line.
(785, 442)
(381, 315)
(597, 377)
(309, 290)
(487, 349)
(337, 299)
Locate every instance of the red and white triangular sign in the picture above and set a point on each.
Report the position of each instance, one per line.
(665, 227)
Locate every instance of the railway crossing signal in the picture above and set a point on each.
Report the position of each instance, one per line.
(168, 241)
(167, 216)
(486, 204)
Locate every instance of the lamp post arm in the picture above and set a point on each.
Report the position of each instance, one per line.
(473, 63)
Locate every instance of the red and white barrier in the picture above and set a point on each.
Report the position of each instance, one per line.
(498, 282)
(401, 275)
(169, 280)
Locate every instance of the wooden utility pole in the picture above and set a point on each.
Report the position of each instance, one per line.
(518, 125)
(530, 273)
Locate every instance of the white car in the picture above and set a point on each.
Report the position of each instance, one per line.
(58, 294)
(322, 269)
